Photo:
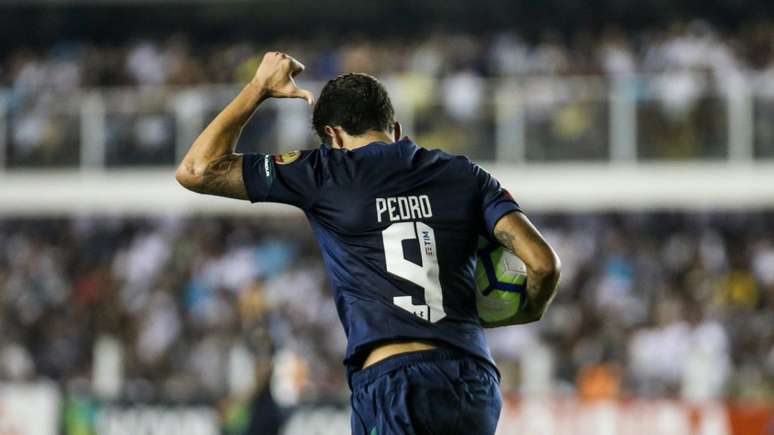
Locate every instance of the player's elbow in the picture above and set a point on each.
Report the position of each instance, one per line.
(188, 178)
(545, 270)
(547, 264)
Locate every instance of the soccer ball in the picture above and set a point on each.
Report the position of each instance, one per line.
(501, 283)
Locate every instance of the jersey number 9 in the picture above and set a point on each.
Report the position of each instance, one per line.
(425, 276)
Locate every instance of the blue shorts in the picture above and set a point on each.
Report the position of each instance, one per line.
(438, 391)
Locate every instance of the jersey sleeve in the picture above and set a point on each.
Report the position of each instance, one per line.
(291, 178)
(496, 202)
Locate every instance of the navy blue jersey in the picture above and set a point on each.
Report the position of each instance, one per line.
(398, 228)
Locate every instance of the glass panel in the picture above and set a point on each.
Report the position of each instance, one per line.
(566, 120)
(140, 127)
(680, 117)
(763, 113)
(456, 130)
(43, 129)
(260, 134)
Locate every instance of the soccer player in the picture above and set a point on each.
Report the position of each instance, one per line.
(398, 227)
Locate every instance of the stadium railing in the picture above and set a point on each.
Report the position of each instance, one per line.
(664, 140)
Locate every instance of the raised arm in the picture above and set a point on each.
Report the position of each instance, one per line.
(211, 166)
(516, 232)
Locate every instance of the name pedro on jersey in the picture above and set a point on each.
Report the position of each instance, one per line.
(399, 208)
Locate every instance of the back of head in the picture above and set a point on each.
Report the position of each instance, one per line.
(356, 102)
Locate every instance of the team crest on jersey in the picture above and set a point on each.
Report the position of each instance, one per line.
(287, 158)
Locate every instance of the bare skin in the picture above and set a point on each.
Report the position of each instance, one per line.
(212, 167)
(339, 138)
(516, 232)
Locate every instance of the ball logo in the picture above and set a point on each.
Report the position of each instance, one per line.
(287, 158)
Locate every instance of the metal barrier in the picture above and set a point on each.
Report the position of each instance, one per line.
(671, 117)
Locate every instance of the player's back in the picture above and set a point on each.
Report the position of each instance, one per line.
(398, 227)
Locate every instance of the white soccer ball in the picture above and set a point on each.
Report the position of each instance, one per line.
(501, 283)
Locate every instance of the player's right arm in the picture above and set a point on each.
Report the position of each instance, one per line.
(211, 166)
(516, 232)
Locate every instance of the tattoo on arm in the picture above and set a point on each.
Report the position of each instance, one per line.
(223, 177)
(505, 239)
(540, 289)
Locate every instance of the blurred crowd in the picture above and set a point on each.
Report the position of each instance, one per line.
(687, 45)
(651, 305)
(134, 104)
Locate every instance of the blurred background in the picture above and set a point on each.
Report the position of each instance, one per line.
(638, 135)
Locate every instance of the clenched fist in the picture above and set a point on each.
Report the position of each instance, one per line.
(275, 77)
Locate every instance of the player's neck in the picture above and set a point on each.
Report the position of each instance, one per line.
(356, 142)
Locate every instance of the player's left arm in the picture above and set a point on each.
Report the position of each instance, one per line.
(504, 220)
(517, 233)
(211, 166)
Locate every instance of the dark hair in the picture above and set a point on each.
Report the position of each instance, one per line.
(356, 102)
